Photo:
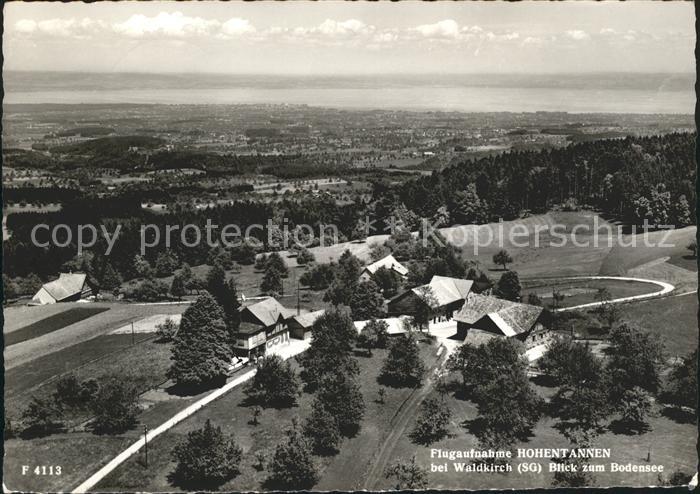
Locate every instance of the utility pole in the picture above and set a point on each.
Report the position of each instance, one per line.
(298, 300)
(145, 442)
(132, 332)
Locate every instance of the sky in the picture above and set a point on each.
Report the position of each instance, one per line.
(333, 37)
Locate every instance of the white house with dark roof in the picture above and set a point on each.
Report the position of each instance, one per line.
(263, 325)
(69, 287)
(388, 262)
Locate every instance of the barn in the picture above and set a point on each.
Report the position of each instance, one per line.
(69, 287)
(483, 317)
(444, 296)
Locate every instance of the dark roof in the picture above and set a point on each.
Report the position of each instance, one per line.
(511, 317)
(306, 320)
(268, 311)
(248, 328)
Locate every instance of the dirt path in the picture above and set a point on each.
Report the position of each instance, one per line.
(400, 422)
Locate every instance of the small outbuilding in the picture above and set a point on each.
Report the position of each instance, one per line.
(300, 325)
(69, 287)
(388, 262)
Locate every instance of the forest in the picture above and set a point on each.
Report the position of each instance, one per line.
(631, 179)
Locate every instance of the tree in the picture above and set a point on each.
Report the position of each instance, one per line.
(149, 290)
(403, 366)
(166, 264)
(635, 406)
(508, 408)
(42, 416)
(274, 384)
(292, 466)
(215, 280)
(166, 330)
(424, 310)
(187, 276)
(346, 279)
(682, 389)
(636, 359)
(272, 281)
(9, 288)
(261, 262)
(177, 287)
(74, 394)
(256, 410)
(407, 475)
(275, 260)
(305, 257)
(387, 280)
(115, 407)
(508, 286)
(318, 277)
(142, 267)
(322, 430)
(110, 279)
(366, 302)
(693, 248)
(496, 374)
(432, 423)
(201, 353)
(330, 349)
(206, 458)
(468, 208)
(583, 394)
(573, 473)
(502, 258)
(340, 395)
(373, 335)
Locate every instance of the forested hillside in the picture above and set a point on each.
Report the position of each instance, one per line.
(632, 178)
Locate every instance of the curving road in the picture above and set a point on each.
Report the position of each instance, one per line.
(665, 289)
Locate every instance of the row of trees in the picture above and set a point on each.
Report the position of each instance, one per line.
(111, 404)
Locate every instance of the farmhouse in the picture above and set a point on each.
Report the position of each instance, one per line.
(443, 295)
(300, 325)
(389, 262)
(483, 317)
(263, 325)
(69, 287)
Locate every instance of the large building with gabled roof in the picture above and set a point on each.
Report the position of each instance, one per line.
(263, 325)
(444, 296)
(483, 317)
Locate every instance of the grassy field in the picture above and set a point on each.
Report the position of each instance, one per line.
(78, 452)
(671, 244)
(52, 323)
(583, 292)
(345, 470)
(117, 316)
(674, 319)
(143, 364)
(672, 445)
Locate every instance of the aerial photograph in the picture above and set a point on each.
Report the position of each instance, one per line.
(349, 246)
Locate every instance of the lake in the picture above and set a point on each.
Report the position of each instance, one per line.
(421, 98)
